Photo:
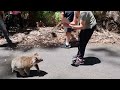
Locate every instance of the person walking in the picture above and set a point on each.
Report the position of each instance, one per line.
(87, 25)
(4, 30)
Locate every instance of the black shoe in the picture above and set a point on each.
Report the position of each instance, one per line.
(11, 45)
(9, 41)
(74, 58)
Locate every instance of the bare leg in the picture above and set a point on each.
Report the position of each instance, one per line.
(68, 36)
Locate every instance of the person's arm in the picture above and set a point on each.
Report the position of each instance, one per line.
(82, 21)
(75, 18)
(77, 27)
(64, 20)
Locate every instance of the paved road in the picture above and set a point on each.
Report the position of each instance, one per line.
(103, 62)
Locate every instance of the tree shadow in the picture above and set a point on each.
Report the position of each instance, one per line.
(7, 46)
(4, 45)
(109, 52)
(91, 61)
(49, 47)
(33, 73)
(24, 48)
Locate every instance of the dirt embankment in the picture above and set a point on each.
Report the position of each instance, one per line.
(43, 38)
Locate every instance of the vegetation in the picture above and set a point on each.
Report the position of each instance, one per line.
(107, 20)
(49, 18)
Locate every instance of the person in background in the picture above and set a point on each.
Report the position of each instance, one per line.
(69, 15)
(4, 30)
(14, 14)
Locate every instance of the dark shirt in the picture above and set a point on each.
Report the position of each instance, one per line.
(69, 15)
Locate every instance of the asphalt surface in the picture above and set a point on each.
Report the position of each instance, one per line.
(102, 62)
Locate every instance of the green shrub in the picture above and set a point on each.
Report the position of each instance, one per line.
(57, 16)
(47, 17)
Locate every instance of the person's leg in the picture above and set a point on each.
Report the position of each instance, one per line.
(20, 20)
(84, 37)
(9, 22)
(68, 37)
(4, 31)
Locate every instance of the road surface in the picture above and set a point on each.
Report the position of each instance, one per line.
(102, 62)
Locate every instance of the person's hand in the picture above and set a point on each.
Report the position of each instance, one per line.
(72, 23)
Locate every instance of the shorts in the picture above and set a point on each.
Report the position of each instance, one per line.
(68, 29)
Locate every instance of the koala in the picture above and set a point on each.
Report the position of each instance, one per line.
(24, 63)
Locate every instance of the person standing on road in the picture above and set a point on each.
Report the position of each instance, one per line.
(87, 25)
(3, 28)
(69, 15)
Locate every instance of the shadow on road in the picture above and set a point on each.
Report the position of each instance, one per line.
(91, 61)
(49, 47)
(105, 50)
(24, 48)
(9, 47)
(6, 44)
(33, 73)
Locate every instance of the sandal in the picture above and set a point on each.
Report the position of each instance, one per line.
(78, 61)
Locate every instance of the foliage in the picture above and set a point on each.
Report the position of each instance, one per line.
(108, 20)
(47, 17)
(57, 16)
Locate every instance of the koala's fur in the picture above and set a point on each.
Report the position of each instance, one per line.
(24, 63)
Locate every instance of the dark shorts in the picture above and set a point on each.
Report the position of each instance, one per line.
(68, 29)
